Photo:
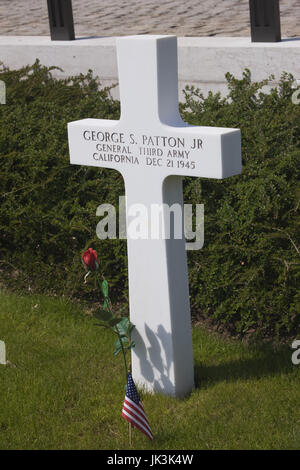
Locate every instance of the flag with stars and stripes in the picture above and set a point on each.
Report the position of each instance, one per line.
(133, 410)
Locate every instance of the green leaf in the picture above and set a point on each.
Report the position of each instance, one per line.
(103, 315)
(104, 288)
(106, 304)
(118, 346)
(131, 328)
(122, 326)
(125, 327)
(124, 340)
(116, 351)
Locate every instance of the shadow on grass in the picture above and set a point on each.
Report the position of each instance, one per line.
(265, 361)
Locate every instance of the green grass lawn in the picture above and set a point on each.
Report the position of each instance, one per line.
(67, 390)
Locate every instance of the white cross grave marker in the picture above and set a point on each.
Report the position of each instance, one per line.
(153, 148)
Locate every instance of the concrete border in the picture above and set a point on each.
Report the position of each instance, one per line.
(202, 61)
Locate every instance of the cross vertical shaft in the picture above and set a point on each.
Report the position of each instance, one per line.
(159, 296)
(158, 283)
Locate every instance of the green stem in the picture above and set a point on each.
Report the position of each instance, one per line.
(116, 328)
(123, 351)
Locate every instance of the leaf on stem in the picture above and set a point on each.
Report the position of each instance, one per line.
(118, 344)
(125, 327)
(103, 315)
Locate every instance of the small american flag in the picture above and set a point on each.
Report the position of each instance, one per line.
(133, 410)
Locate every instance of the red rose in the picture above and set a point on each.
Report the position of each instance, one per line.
(90, 259)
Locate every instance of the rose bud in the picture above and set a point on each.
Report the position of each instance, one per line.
(90, 259)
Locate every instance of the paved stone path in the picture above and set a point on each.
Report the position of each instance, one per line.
(122, 17)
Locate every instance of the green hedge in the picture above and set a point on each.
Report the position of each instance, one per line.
(247, 274)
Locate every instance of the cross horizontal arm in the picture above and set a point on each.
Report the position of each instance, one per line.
(210, 152)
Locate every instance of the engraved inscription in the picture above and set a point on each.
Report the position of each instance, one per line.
(145, 149)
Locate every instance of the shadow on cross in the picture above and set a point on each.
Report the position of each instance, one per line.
(266, 361)
(156, 355)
